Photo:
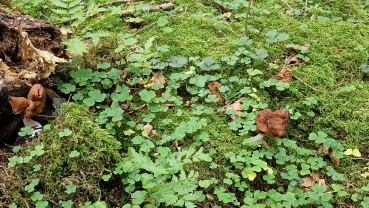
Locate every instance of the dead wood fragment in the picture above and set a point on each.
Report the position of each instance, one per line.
(154, 8)
(117, 2)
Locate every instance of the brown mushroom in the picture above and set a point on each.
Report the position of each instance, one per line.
(18, 104)
(33, 105)
(37, 93)
(273, 124)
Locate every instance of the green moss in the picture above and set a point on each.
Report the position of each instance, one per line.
(195, 36)
(98, 150)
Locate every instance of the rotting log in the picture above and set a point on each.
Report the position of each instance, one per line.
(29, 52)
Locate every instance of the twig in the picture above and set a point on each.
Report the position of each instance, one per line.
(151, 8)
(117, 1)
(306, 84)
(360, 158)
(154, 23)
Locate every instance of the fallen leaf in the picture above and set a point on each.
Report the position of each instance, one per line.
(312, 17)
(155, 133)
(294, 48)
(235, 106)
(313, 179)
(285, 75)
(251, 176)
(308, 182)
(160, 79)
(354, 152)
(214, 87)
(329, 152)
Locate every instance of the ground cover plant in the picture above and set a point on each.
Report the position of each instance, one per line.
(163, 106)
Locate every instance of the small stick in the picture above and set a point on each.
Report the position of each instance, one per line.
(117, 1)
(306, 84)
(151, 8)
(360, 158)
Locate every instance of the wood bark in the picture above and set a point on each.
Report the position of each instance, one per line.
(29, 51)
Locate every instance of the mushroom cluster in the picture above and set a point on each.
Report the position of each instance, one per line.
(32, 105)
(273, 124)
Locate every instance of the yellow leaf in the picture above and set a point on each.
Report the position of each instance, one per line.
(251, 176)
(269, 170)
(348, 152)
(189, 72)
(145, 133)
(356, 153)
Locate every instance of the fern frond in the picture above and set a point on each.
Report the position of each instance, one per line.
(59, 4)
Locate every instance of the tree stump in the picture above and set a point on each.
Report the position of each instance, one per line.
(29, 52)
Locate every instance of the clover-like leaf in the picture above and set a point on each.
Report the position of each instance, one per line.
(208, 64)
(37, 196)
(70, 189)
(65, 133)
(74, 154)
(177, 61)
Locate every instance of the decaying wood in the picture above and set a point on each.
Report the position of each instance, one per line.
(154, 8)
(29, 52)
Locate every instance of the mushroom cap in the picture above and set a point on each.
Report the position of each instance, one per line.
(37, 93)
(273, 124)
(18, 104)
(35, 106)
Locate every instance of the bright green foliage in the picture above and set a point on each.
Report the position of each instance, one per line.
(26, 131)
(52, 153)
(195, 153)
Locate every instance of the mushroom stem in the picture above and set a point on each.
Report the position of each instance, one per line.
(258, 137)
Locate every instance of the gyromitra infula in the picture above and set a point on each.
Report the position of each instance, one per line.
(32, 105)
(273, 124)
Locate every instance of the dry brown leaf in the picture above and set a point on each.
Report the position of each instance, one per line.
(155, 133)
(312, 17)
(235, 106)
(308, 182)
(160, 79)
(285, 75)
(329, 152)
(313, 179)
(214, 87)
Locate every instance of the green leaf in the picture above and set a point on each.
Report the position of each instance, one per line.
(138, 197)
(16, 149)
(13, 205)
(76, 46)
(67, 204)
(31, 186)
(37, 196)
(162, 21)
(70, 189)
(204, 183)
(103, 65)
(26, 131)
(65, 133)
(41, 204)
(208, 64)
(97, 95)
(36, 167)
(89, 101)
(147, 96)
(177, 61)
(244, 41)
(106, 177)
(74, 154)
